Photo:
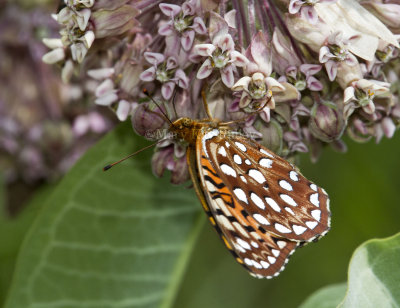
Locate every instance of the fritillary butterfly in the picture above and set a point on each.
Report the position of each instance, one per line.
(259, 203)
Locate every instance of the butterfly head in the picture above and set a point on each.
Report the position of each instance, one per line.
(184, 128)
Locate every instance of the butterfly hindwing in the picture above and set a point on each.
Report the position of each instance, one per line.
(262, 253)
(268, 188)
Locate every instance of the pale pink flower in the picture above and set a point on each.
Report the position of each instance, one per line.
(166, 71)
(335, 51)
(184, 22)
(221, 55)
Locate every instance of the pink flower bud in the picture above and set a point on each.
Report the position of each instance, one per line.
(326, 122)
(114, 22)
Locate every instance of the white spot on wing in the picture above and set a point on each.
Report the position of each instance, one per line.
(209, 135)
(285, 185)
(241, 230)
(275, 252)
(257, 175)
(314, 199)
(288, 209)
(257, 201)
(240, 248)
(222, 151)
(257, 265)
(222, 220)
(228, 170)
(248, 261)
(282, 229)
(289, 200)
(265, 162)
(242, 243)
(271, 260)
(264, 264)
(316, 214)
(241, 146)
(237, 159)
(243, 179)
(240, 194)
(254, 244)
(311, 224)
(271, 202)
(266, 153)
(281, 244)
(299, 229)
(221, 205)
(227, 144)
(261, 219)
(314, 187)
(294, 176)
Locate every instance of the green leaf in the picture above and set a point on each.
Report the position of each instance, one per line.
(12, 232)
(327, 297)
(374, 275)
(374, 279)
(115, 239)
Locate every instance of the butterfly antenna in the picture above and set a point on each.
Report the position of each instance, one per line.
(129, 156)
(159, 107)
(173, 104)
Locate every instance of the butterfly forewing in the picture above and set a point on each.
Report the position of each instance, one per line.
(262, 253)
(269, 189)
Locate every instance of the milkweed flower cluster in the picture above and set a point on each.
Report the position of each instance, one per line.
(315, 70)
(45, 125)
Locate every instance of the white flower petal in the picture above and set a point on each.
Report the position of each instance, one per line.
(224, 42)
(274, 85)
(154, 57)
(238, 59)
(106, 100)
(54, 56)
(166, 29)
(148, 75)
(124, 107)
(104, 88)
(53, 43)
(349, 95)
(204, 50)
(101, 73)
(242, 84)
(227, 76)
(170, 10)
(331, 69)
(167, 90)
(205, 70)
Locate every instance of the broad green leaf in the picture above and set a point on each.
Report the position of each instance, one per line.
(374, 275)
(12, 232)
(374, 279)
(108, 240)
(327, 297)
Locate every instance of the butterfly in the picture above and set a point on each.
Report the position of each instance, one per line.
(259, 203)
